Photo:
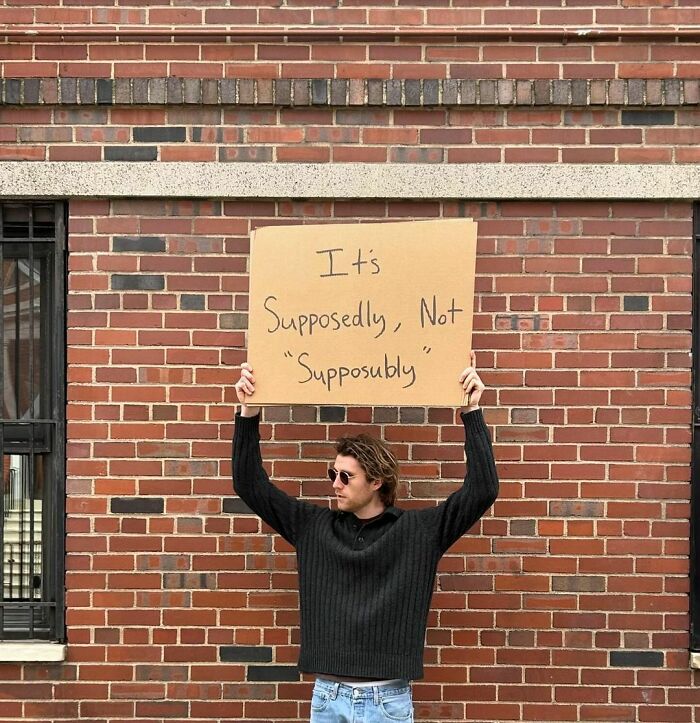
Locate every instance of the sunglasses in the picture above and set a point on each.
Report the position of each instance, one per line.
(344, 476)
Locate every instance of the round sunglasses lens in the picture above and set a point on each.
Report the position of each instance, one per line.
(344, 476)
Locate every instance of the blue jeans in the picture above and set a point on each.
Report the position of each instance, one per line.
(338, 703)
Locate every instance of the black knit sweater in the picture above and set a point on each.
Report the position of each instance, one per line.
(364, 611)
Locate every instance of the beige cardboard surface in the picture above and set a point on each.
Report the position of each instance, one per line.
(361, 314)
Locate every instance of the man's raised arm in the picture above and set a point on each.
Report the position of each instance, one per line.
(285, 514)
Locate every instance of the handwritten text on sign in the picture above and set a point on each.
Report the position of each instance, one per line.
(370, 314)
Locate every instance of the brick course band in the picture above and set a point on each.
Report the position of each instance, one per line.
(320, 92)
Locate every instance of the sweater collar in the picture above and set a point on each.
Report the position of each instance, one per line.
(391, 511)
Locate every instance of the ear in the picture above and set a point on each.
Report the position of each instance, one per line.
(376, 484)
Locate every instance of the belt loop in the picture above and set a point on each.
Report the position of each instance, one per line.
(334, 694)
(376, 694)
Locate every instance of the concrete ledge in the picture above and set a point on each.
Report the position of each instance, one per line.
(695, 660)
(469, 181)
(32, 651)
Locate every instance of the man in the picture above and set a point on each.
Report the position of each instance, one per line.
(366, 569)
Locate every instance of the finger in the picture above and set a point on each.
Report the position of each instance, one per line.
(465, 373)
(472, 357)
(470, 377)
(246, 366)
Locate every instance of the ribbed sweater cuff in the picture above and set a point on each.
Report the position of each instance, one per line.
(247, 426)
(474, 421)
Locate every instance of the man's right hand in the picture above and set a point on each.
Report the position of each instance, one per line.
(245, 387)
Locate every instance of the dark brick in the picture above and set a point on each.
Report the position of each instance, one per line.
(504, 92)
(140, 282)
(210, 91)
(431, 92)
(450, 87)
(467, 91)
(139, 90)
(393, 92)
(543, 90)
(131, 153)
(523, 528)
(332, 414)
(339, 91)
(137, 505)
(319, 91)
(301, 92)
(31, 90)
(235, 506)
(150, 244)
(487, 92)
(386, 415)
(245, 654)
(375, 92)
(234, 320)
(175, 93)
(192, 302)
(636, 303)
(560, 92)
(672, 91)
(648, 117)
(579, 92)
(105, 91)
(192, 90)
(160, 134)
(412, 415)
(283, 91)
(228, 90)
(578, 583)
(157, 90)
(86, 91)
(69, 90)
(636, 88)
(264, 91)
(13, 91)
(122, 92)
(636, 659)
(272, 673)
(412, 92)
(246, 91)
(304, 413)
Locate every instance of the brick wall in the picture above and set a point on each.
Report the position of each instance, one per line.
(569, 600)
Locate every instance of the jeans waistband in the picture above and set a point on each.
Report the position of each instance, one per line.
(372, 691)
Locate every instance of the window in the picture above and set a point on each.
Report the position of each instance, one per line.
(32, 426)
(695, 474)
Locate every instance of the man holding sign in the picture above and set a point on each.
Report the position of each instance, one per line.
(366, 569)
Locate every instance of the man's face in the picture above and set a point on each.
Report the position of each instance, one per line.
(359, 495)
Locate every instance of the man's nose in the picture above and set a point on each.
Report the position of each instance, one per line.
(337, 484)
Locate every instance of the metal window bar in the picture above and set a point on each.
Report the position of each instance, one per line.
(32, 420)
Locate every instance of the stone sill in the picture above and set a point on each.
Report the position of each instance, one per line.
(695, 660)
(32, 651)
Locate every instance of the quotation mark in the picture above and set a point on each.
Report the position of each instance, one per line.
(427, 349)
(288, 354)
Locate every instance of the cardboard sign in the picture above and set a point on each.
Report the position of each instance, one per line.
(365, 314)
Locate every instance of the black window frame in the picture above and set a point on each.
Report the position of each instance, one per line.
(39, 437)
(695, 463)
